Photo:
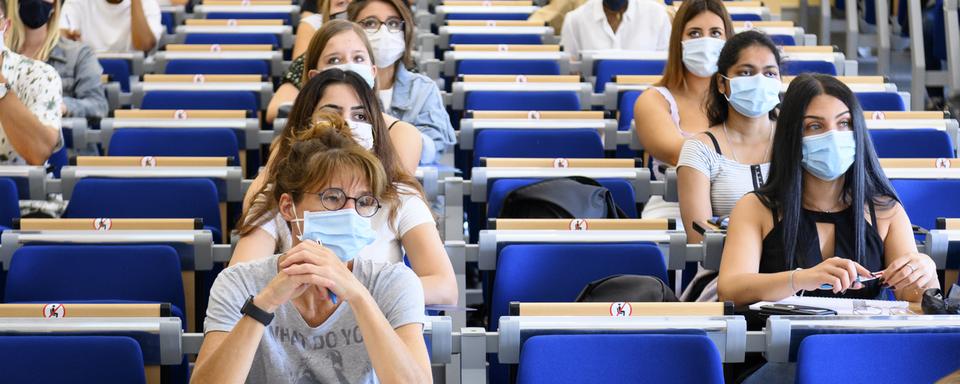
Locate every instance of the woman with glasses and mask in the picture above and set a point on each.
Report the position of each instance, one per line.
(674, 109)
(828, 217)
(405, 224)
(731, 158)
(318, 313)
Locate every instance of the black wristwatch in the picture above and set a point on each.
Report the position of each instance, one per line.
(252, 310)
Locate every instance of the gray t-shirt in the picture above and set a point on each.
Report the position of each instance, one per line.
(293, 352)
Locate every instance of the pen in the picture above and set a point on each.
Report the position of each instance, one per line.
(860, 279)
(333, 296)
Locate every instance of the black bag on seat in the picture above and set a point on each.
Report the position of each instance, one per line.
(627, 288)
(574, 197)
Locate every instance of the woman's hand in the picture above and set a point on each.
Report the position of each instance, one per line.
(910, 272)
(839, 272)
(309, 260)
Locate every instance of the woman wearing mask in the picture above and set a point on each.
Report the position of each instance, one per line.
(311, 20)
(342, 44)
(36, 34)
(674, 108)
(406, 225)
(717, 167)
(360, 320)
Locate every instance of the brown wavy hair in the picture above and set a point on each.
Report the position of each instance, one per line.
(353, 10)
(674, 71)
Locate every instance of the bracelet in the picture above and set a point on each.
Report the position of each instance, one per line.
(793, 272)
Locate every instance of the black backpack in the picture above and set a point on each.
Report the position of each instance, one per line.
(627, 288)
(574, 197)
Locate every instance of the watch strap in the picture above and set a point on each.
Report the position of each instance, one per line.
(255, 312)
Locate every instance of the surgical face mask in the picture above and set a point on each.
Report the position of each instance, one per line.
(339, 16)
(35, 13)
(344, 232)
(615, 5)
(364, 70)
(388, 47)
(700, 55)
(828, 155)
(753, 96)
(362, 133)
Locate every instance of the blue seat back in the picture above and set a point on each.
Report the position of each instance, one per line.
(233, 38)
(198, 142)
(508, 67)
(218, 67)
(537, 143)
(54, 273)
(119, 70)
(626, 103)
(57, 160)
(606, 70)
(147, 198)
(71, 359)
(470, 38)
(796, 67)
(623, 194)
(877, 358)
(9, 203)
(911, 143)
(251, 16)
(231, 100)
(596, 358)
(881, 101)
(926, 200)
(169, 24)
(558, 272)
(487, 16)
(745, 17)
(522, 101)
(788, 40)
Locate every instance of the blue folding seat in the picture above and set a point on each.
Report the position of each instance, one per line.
(510, 39)
(224, 100)
(522, 101)
(71, 359)
(623, 194)
(147, 198)
(787, 40)
(218, 67)
(195, 142)
(233, 38)
(596, 358)
(9, 203)
(487, 16)
(927, 199)
(118, 70)
(745, 17)
(625, 107)
(607, 70)
(912, 143)
(796, 67)
(537, 143)
(169, 24)
(251, 16)
(881, 101)
(877, 358)
(508, 67)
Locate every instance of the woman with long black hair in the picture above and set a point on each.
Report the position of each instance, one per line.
(827, 214)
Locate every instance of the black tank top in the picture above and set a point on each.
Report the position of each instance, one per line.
(773, 258)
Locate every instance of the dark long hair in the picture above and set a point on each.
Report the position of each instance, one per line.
(864, 180)
(718, 108)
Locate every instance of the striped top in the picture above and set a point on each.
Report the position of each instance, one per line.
(729, 180)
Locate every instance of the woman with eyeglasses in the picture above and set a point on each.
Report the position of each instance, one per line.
(318, 313)
(405, 224)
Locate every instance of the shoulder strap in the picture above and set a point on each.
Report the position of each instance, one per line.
(873, 212)
(392, 124)
(716, 144)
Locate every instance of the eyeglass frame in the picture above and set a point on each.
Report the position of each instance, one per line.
(382, 23)
(356, 207)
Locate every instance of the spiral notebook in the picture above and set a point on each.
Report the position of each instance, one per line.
(842, 306)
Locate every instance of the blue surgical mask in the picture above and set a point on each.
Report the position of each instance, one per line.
(615, 5)
(344, 232)
(754, 96)
(700, 55)
(828, 155)
(364, 70)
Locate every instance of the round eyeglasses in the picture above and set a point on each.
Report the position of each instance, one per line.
(334, 199)
(372, 24)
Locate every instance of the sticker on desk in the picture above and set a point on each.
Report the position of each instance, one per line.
(199, 79)
(491, 23)
(179, 114)
(747, 25)
(578, 225)
(533, 115)
(879, 115)
(102, 224)
(232, 22)
(245, 3)
(54, 311)
(561, 163)
(486, 3)
(521, 79)
(216, 48)
(943, 163)
(148, 161)
(621, 309)
(502, 47)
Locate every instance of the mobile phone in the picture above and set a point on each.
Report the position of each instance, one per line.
(794, 309)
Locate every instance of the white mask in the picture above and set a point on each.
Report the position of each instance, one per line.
(364, 70)
(388, 47)
(362, 133)
(700, 55)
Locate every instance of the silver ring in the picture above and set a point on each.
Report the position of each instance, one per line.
(912, 268)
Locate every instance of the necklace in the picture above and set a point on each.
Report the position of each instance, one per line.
(832, 209)
(733, 151)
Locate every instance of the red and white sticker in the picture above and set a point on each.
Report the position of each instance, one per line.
(491, 23)
(56, 311)
(561, 163)
(199, 79)
(486, 3)
(502, 47)
(878, 115)
(102, 224)
(747, 25)
(578, 225)
(943, 163)
(216, 48)
(179, 114)
(245, 2)
(533, 115)
(232, 22)
(148, 161)
(621, 309)
(521, 79)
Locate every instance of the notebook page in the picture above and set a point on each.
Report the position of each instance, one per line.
(841, 306)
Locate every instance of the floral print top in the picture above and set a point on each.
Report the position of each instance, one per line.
(38, 87)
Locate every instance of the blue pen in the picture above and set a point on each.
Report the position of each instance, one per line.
(860, 279)
(333, 296)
